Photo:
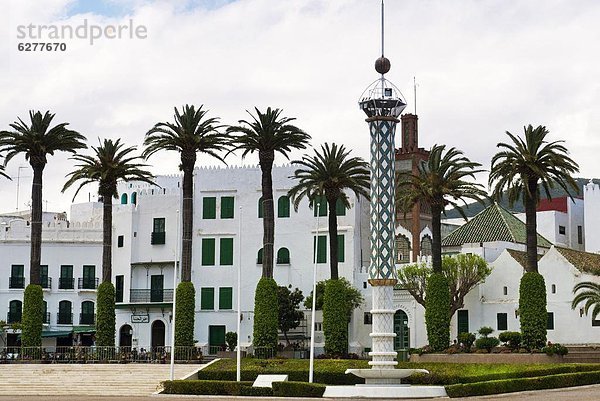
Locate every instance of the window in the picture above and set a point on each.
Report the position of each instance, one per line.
(463, 321)
(368, 318)
(321, 244)
(318, 326)
(283, 206)
(402, 249)
(17, 276)
(505, 290)
(579, 235)
(595, 323)
(88, 281)
(119, 281)
(158, 232)
(320, 206)
(45, 280)
(207, 298)
(226, 251)
(209, 207)
(261, 208)
(283, 256)
(208, 251)
(65, 315)
(562, 230)
(553, 288)
(502, 321)
(87, 313)
(157, 285)
(340, 243)
(45, 315)
(15, 311)
(225, 298)
(66, 281)
(134, 198)
(340, 209)
(227, 206)
(365, 285)
(426, 246)
(259, 257)
(124, 199)
(550, 321)
(120, 241)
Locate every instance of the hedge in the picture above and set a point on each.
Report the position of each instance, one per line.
(185, 305)
(266, 314)
(532, 310)
(298, 389)
(437, 312)
(33, 308)
(335, 318)
(204, 387)
(523, 384)
(105, 313)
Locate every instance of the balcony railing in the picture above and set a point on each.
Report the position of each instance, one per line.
(13, 317)
(66, 283)
(17, 282)
(64, 318)
(46, 282)
(87, 318)
(157, 238)
(46, 318)
(87, 283)
(157, 295)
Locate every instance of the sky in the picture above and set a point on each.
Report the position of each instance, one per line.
(481, 68)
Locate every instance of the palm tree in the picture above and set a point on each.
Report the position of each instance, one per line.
(590, 294)
(190, 134)
(3, 172)
(36, 141)
(439, 182)
(326, 175)
(268, 133)
(520, 169)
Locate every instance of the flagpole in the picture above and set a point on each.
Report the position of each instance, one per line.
(239, 304)
(311, 369)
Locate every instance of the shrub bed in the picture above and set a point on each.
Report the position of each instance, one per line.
(205, 387)
(532, 310)
(185, 295)
(298, 389)
(437, 312)
(105, 312)
(523, 384)
(33, 306)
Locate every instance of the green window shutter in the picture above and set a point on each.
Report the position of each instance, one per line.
(159, 225)
(227, 206)
(340, 242)
(226, 251)
(320, 206)
(207, 298)
(340, 209)
(18, 270)
(283, 256)
(261, 208)
(120, 239)
(550, 321)
(259, 257)
(66, 271)
(208, 251)
(463, 321)
(283, 206)
(321, 248)
(209, 207)
(225, 297)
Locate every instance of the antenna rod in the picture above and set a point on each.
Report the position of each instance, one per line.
(415, 88)
(382, 26)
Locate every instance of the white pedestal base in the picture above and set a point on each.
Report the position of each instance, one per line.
(385, 391)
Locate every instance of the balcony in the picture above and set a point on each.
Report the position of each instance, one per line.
(13, 317)
(66, 283)
(46, 282)
(157, 238)
(87, 283)
(157, 295)
(16, 282)
(46, 318)
(87, 318)
(64, 318)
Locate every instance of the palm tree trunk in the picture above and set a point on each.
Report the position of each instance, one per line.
(188, 220)
(436, 243)
(530, 200)
(36, 225)
(266, 166)
(333, 242)
(106, 237)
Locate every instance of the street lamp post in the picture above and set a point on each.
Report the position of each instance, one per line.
(311, 369)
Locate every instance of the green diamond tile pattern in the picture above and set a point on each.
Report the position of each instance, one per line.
(382, 200)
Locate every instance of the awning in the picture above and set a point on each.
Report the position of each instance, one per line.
(83, 329)
(56, 333)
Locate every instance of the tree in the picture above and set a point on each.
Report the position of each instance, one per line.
(589, 293)
(266, 134)
(36, 141)
(190, 134)
(353, 297)
(289, 315)
(3, 172)
(522, 167)
(463, 272)
(111, 162)
(440, 181)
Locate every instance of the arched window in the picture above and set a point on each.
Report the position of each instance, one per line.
(124, 199)
(426, 245)
(402, 249)
(134, 198)
(259, 257)
(283, 206)
(283, 256)
(261, 209)
(87, 313)
(15, 311)
(65, 314)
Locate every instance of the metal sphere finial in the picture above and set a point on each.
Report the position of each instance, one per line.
(382, 65)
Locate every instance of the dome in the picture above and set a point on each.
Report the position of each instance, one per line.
(382, 98)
